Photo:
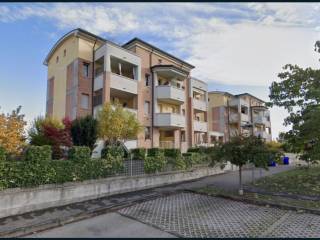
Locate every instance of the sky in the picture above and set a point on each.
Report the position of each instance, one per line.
(236, 47)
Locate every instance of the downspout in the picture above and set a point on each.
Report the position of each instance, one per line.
(152, 97)
(92, 86)
(228, 107)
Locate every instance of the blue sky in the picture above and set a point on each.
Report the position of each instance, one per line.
(236, 47)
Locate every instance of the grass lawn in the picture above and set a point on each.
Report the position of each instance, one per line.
(301, 181)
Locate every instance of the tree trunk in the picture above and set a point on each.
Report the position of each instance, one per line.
(240, 181)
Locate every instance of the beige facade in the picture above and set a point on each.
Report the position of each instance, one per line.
(84, 71)
(230, 115)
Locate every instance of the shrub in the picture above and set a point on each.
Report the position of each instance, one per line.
(194, 149)
(155, 152)
(38, 153)
(77, 153)
(172, 152)
(112, 164)
(2, 154)
(192, 158)
(154, 164)
(114, 151)
(138, 153)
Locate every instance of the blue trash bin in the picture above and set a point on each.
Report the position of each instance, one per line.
(272, 163)
(286, 160)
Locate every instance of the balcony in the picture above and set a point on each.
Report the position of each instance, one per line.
(199, 105)
(262, 134)
(199, 126)
(169, 120)
(132, 110)
(244, 117)
(124, 84)
(234, 117)
(170, 94)
(166, 144)
(262, 120)
(98, 82)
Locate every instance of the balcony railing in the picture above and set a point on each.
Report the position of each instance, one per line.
(166, 144)
(170, 94)
(199, 104)
(123, 83)
(169, 120)
(200, 126)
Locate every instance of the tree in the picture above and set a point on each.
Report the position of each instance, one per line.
(241, 150)
(49, 131)
(299, 93)
(12, 137)
(84, 131)
(117, 124)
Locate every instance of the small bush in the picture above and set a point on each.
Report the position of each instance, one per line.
(138, 153)
(154, 164)
(194, 149)
(172, 152)
(38, 153)
(155, 152)
(114, 151)
(113, 164)
(2, 154)
(79, 153)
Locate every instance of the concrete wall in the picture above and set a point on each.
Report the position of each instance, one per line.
(18, 201)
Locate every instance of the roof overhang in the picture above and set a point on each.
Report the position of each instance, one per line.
(170, 69)
(153, 48)
(77, 33)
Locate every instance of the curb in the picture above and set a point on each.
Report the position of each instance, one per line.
(260, 203)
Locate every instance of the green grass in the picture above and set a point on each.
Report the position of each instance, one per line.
(301, 181)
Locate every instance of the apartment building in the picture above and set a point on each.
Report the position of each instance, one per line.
(85, 71)
(237, 114)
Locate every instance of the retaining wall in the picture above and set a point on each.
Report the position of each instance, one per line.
(18, 201)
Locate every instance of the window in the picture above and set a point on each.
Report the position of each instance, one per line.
(147, 133)
(183, 136)
(147, 79)
(84, 101)
(57, 59)
(65, 52)
(146, 107)
(124, 104)
(244, 110)
(169, 134)
(85, 69)
(97, 97)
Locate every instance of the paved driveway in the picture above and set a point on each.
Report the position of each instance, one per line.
(196, 215)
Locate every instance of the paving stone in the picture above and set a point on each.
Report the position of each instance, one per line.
(195, 215)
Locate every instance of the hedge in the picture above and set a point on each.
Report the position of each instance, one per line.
(34, 173)
(79, 153)
(38, 153)
(114, 151)
(138, 153)
(155, 152)
(2, 154)
(172, 152)
(153, 164)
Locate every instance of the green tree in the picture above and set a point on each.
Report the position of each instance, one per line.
(115, 124)
(241, 150)
(84, 131)
(299, 93)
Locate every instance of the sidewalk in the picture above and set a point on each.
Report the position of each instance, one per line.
(49, 218)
